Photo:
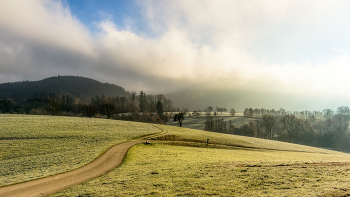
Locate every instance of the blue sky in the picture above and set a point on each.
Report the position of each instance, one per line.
(293, 46)
(119, 12)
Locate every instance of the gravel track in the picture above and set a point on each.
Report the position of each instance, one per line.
(109, 160)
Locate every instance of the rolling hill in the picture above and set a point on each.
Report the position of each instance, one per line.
(80, 87)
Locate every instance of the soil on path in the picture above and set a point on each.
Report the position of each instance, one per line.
(109, 160)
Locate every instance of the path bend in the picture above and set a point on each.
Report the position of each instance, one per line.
(109, 160)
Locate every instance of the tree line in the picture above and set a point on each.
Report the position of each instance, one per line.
(142, 107)
(328, 129)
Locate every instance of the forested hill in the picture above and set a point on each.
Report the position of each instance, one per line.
(80, 87)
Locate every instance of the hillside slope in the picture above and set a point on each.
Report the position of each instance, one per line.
(80, 87)
(185, 166)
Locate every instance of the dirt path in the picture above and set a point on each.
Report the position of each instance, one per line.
(109, 160)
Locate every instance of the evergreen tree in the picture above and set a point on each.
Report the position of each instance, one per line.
(160, 109)
(143, 102)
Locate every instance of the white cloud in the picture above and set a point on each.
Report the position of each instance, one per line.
(44, 23)
(224, 33)
(338, 50)
(198, 43)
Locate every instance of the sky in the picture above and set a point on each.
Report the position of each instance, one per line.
(295, 47)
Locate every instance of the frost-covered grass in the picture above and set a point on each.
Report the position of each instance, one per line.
(38, 146)
(163, 170)
(231, 169)
(199, 122)
(237, 140)
(202, 136)
(35, 146)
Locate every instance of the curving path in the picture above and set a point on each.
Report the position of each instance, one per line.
(109, 160)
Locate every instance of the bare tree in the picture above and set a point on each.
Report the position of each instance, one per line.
(246, 113)
(340, 138)
(290, 124)
(54, 105)
(273, 112)
(160, 97)
(197, 113)
(252, 130)
(221, 109)
(328, 113)
(89, 110)
(257, 112)
(168, 105)
(269, 122)
(250, 112)
(209, 123)
(282, 112)
(259, 128)
(341, 122)
(210, 109)
(344, 110)
(232, 112)
(231, 127)
(108, 109)
(341, 119)
(134, 107)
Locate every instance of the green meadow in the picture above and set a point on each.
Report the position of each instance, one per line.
(179, 163)
(37, 146)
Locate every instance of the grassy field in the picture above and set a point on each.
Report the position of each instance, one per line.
(234, 167)
(163, 170)
(38, 146)
(198, 122)
(181, 164)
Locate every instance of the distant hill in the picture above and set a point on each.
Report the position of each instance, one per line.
(80, 87)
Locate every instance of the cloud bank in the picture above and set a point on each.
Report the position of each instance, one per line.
(292, 47)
